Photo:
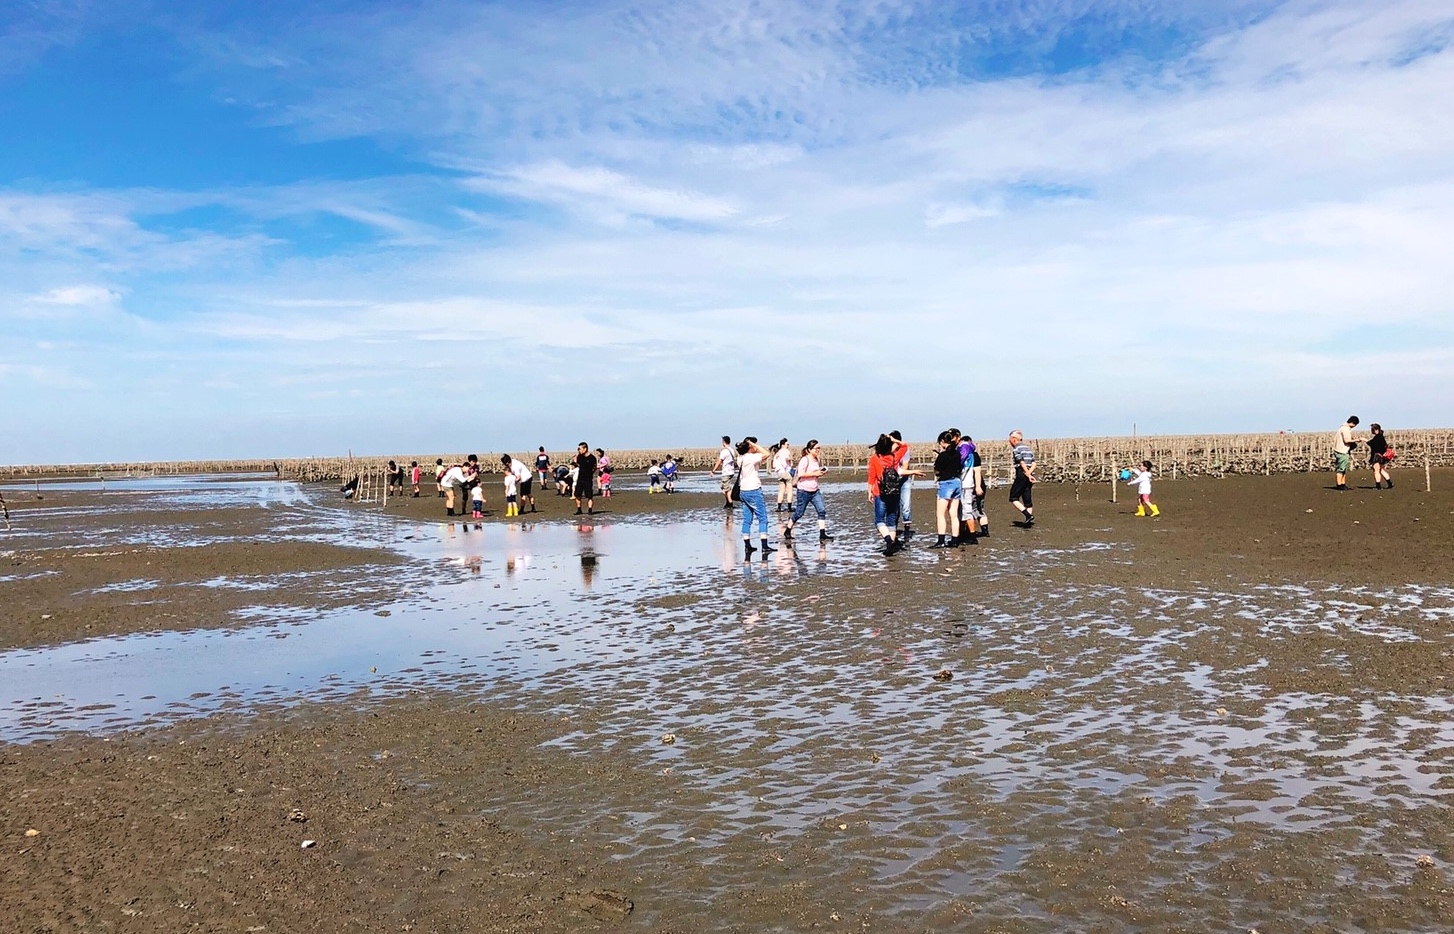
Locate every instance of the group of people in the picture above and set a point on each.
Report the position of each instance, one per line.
(958, 471)
(959, 484)
(661, 476)
(463, 482)
(740, 467)
(581, 477)
(1380, 454)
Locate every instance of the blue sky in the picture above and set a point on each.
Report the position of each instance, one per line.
(274, 229)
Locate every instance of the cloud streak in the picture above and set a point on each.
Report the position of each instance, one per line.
(796, 196)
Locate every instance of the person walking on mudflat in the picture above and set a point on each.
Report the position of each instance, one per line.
(948, 466)
(883, 491)
(1343, 445)
(1021, 491)
(1380, 455)
(782, 469)
(807, 493)
(750, 457)
(906, 486)
(727, 466)
(585, 485)
(1142, 479)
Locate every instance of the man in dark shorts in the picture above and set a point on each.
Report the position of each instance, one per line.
(542, 466)
(585, 489)
(1021, 491)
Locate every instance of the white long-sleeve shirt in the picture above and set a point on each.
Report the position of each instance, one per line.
(1142, 479)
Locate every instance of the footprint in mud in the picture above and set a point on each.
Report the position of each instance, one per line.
(601, 904)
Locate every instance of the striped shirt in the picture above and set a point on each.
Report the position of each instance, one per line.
(1024, 456)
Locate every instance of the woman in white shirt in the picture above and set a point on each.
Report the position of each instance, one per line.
(750, 456)
(809, 470)
(782, 468)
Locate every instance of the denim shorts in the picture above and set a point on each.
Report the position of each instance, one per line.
(951, 489)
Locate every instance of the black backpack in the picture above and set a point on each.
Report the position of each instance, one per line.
(889, 483)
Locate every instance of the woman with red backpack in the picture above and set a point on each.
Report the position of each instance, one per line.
(885, 484)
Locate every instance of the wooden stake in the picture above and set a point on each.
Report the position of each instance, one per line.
(1113, 479)
(1428, 480)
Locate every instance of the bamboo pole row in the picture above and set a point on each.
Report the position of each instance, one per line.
(1081, 460)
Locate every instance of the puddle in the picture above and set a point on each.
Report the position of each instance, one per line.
(503, 600)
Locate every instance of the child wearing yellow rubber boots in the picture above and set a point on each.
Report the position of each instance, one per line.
(1142, 479)
(512, 487)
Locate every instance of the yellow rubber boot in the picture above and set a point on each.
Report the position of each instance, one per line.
(1140, 510)
(1155, 510)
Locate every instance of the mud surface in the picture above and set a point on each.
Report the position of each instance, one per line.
(1235, 716)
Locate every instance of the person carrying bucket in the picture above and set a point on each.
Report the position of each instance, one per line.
(1142, 479)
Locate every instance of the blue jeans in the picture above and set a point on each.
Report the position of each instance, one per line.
(752, 502)
(905, 511)
(886, 511)
(800, 505)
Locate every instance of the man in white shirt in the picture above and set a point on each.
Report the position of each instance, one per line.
(727, 466)
(453, 481)
(524, 478)
(1343, 445)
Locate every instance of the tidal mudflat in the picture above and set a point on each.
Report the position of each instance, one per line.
(1235, 716)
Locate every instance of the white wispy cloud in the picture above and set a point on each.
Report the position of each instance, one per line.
(603, 193)
(82, 295)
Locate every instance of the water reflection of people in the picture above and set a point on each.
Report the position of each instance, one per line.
(728, 546)
(589, 558)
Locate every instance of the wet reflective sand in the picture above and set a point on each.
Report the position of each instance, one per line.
(1106, 753)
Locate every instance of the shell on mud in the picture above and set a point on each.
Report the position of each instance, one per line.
(32, 832)
(298, 816)
(944, 674)
(309, 844)
(669, 738)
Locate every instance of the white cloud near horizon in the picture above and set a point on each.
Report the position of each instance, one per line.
(802, 198)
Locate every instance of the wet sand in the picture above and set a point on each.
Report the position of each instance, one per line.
(1235, 716)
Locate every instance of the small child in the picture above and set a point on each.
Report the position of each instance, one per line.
(415, 475)
(477, 500)
(1142, 479)
(669, 474)
(605, 476)
(653, 476)
(512, 489)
